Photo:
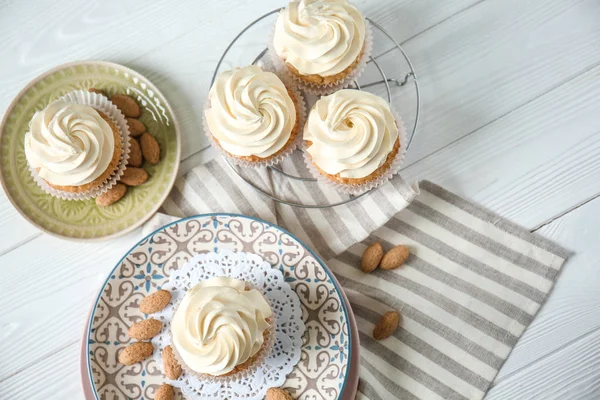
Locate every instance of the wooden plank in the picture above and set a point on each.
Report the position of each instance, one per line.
(55, 378)
(492, 58)
(51, 284)
(571, 373)
(532, 164)
(573, 308)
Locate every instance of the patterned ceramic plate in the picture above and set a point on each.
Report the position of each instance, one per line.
(83, 219)
(322, 372)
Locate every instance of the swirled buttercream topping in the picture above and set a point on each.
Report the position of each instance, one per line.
(351, 133)
(69, 144)
(251, 112)
(219, 325)
(322, 37)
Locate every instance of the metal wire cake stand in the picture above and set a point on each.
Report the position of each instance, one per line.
(391, 81)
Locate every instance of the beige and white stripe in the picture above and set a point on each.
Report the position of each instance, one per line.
(472, 284)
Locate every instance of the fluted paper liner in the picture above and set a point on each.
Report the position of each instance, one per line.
(321, 90)
(103, 104)
(289, 147)
(354, 189)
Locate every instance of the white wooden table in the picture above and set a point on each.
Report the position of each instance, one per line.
(511, 119)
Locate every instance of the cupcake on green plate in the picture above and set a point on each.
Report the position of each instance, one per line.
(75, 150)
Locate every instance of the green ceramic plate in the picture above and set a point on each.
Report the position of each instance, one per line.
(83, 219)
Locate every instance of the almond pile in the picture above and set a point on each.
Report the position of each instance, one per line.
(145, 330)
(372, 258)
(143, 147)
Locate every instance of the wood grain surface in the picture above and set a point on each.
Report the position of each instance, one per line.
(510, 99)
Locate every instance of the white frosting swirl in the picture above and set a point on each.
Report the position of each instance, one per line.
(251, 112)
(322, 37)
(219, 325)
(70, 144)
(352, 132)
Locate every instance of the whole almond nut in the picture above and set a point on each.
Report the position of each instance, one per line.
(278, 394)
(164, 392)
(387, 325)
(170, 364)
(371, 257)
(112, 195)
(395, 257)
(155, 302)
(135, 352)
(136, 127)
(126, 104)
(150, 148)
(135, 153)
(133, 176)
(145, 330)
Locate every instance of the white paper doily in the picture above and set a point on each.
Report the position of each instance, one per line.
(286, 350)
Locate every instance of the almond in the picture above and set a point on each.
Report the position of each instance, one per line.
(145, 330)
(395, 257)
(133, 176)
(278, 394)
(387, 325)
(170, 364)
(126, 104)
(155, 302)
(94, 90)
(136, 127)
(135, 352)
(164, 392)
(135, 153)
(371, 257)
(150, 148)
(112, 195)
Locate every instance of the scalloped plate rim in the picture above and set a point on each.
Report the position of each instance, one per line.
(171, 183)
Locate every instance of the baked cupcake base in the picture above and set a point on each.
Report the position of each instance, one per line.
(110, 170)
(369, 178)
(325, 80)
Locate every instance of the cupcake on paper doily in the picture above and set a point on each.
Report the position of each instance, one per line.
(77, 146)
(234, 325)
(221, 327)
(252, 117)
(353, 141)
(322, 44)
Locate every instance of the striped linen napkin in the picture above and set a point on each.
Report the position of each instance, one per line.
(471, 286)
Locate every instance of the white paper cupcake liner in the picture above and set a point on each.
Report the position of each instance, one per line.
(261, 356)
(354, 189)
(103, 104)
(321, 90)
(289, 147)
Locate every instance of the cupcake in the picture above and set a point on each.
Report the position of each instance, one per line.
(252, 117)
(320, 43)
(221, 327)
(353, 140)
(73, 148)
